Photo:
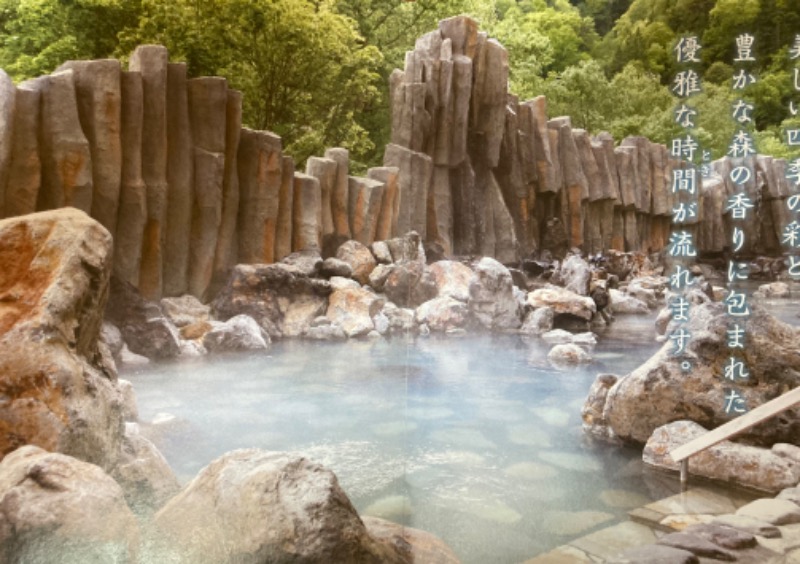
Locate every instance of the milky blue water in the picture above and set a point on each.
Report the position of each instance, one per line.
(476, 439)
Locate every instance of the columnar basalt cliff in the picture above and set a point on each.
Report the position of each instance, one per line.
(163, 162)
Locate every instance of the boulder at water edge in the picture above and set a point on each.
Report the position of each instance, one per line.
(58, 387)
(659, 391)
(54, 508)
(280, 297)
(257, 506)
(745, 465)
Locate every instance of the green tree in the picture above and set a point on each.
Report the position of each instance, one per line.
(302, 67)
(36, 36)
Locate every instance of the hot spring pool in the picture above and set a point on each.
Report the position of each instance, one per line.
(476, 439)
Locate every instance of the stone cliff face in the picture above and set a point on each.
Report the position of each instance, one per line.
(163, 162)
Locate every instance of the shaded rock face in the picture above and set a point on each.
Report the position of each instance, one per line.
(143, 473)
(256, 506)
(416, 545)
(727, 461)
(59, 388)
(54, 508)
(144, 326)
(659, 392)
(279, 297)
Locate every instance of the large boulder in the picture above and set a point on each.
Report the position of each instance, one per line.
(280, 297)
(185, 310)
(257, 506)
(491, 297)
(575, 274)
(145, 327)
(360, 259)
(563, 301)
(730, 462)
(352, 309)
(661, 391)
(443, 314)
(239, 333)
(54, 508)
(58, 386)
(420, 546)
(409, 284)
(143, 473)
(452, 279)
(621, 302)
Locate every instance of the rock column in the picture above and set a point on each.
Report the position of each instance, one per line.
(151, 62)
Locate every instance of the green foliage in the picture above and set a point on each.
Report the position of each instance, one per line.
(36, 36)
(302, 67)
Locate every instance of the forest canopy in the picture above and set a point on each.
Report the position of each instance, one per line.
(316, 71)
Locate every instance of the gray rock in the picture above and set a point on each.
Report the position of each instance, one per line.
(563, 301)
(452, 279)
(697, 545)
(130, 411)
(655, 554)
(329, 332)
(774, 511)
(442, 314)
(336, 267)
(726, 537)
(748, 525)
(557, 337)
(59, 509)
(491, 297)
(538, 322)
(381, 323)
(378, 277)
(250, 502)
(353, 310)
(185, 310)
(306, 262)
(112, 337)
(621, 302)
(575, 274)
(727, 461)
(568, 354)
(380, 250)
(144, 327)
(239, 333)
(659, 391)
(401, 320)
(278, 296)
(359, 258)
(143, 473)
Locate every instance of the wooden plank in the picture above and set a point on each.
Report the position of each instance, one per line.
(731, 428)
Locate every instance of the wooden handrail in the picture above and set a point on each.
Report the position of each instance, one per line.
(731, 428)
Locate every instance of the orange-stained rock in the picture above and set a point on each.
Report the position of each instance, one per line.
(420, 545)
(60, 392)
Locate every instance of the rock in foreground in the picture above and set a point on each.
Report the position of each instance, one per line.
(257, 506)
(54, 508)
(58, 386)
